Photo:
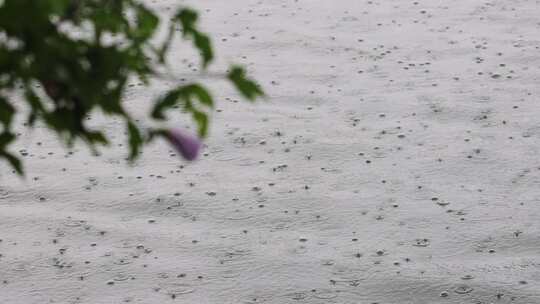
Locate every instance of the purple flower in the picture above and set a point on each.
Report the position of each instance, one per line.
(187, 145)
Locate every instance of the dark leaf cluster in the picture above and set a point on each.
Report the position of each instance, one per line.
(71, 57)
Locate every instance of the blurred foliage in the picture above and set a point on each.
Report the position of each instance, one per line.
(71, 57)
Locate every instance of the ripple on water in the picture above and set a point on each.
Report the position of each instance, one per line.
(230, 274)
(325, 294)
(73, 223)
(178, 288)
(328, 262)
(4, 193)
(232, 215)
(121, 277)
(19, 267)
(296, 296)
(127, 243)
(463, 289)
(300, 250)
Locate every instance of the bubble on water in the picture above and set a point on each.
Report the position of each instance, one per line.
(122, 261)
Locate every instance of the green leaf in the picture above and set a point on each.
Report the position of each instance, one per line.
(188, 19)
(107, 16)
(201, 93)
(200, 118)
(247, 87)
(13, 161)
(6, 112)
(59, 7)
(31, 119)
(135, 140)
(202, 121)
(147, 23)
(33, 100)
(5, 139)
(202, 42)
(96, 137)
(168, 101)
(186, 94)
(162, 51)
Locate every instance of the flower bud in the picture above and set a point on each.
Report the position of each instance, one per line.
(188, 146)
